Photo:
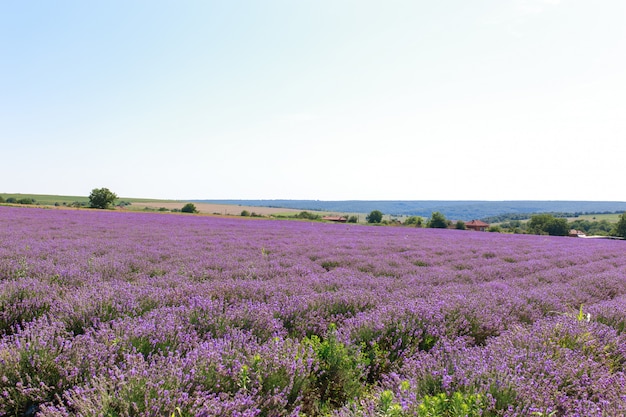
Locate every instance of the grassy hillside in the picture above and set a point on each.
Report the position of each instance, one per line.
(46, 199)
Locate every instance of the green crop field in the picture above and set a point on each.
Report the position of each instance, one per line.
(611, 218)
(50, 200)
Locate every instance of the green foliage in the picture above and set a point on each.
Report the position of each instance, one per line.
(620, 227)
(494, 228)
(189, 208)
(455, 405)
(547, 224)
(101, 198)
(308, 216)
(437, 220)
(414, 220)
(387, 406)
(375, 216)
(245, 213)
(353, 219)
(340, 375)
(11, 200)
(460, 225)
(593, 227)
(25, 200)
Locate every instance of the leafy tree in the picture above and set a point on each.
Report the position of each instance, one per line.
(414, 220)
(245, 213)
(460, 225)
(375, 216)
(307, 215)
(547, 224)
(437, 221)
(620, 227)
(189, 208)
(1, 199)
(101, 198)
(353, 219)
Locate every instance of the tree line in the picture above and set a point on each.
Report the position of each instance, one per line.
(538, 224)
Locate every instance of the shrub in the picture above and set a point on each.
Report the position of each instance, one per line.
(307, 215)
(245, 213)
(25, 201)
(353, 219)
(455, 405)
(339, 377)
(414, 220)
(189, 208)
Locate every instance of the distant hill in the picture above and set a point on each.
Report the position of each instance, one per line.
(457, 210)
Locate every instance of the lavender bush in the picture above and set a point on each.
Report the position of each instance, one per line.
(144, 314)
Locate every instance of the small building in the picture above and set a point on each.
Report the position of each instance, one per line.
(576, 233)
(477, 225)
(337, 219)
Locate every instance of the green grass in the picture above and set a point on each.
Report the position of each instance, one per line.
(49, 200)
(611, 218)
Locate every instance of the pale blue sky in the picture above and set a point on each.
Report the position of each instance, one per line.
(315, 99)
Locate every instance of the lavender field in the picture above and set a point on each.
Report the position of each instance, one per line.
(129, 314)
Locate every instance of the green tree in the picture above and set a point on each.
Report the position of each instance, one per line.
(620, 227)
(101, 198)
(460, 225)
(353, 219)
(308, 216)
(437, 221)
(189, 208)
(414, 220)
(375, 216)
(547, 224)
(245, 213)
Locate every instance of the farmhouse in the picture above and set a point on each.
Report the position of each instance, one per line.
(477, 225)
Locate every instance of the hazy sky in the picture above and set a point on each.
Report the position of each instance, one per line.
(315, 99)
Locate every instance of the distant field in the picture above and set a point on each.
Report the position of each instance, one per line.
(45, 199)
(611, 218)
(155, 204)
(208, 208)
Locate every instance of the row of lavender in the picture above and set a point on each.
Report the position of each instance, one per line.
(129, 314)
